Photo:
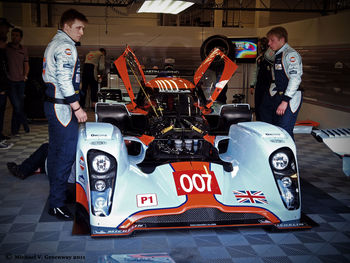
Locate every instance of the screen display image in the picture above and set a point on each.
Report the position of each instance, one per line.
(246, 49)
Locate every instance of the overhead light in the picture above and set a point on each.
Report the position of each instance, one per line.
(164, 6)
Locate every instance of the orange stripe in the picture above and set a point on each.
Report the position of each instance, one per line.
(185, 166)
(182, 166)
(81, 196)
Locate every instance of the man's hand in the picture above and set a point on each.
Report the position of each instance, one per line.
(81, 115)
(282, 108)
(79, 112)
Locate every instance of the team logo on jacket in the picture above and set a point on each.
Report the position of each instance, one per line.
(68, 51)
(44, 65)
(196, 182)
(293, 59)
(250, 197)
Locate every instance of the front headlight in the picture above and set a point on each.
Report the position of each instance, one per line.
(286, 181)
(284, 169)
(101, 163)
(100, 185)
(102, 177)
(280, 161)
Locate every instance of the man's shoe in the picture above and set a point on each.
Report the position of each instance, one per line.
(14, 170)
(5, 145)
(61, 213)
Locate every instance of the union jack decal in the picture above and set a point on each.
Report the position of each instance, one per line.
(251, 197)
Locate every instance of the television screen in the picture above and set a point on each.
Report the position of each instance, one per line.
(246, 49)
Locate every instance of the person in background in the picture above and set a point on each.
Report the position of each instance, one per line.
(18, 64)
(61, 74)
(35, 164)
(282, 107)
(94, 65)
(262, 77)
(4, 29)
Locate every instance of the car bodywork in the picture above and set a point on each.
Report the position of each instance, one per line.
(175, 158)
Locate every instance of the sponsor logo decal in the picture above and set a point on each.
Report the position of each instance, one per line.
(277, 141)
(68, 51)
(98, 135)
(146, 200)
(82, 163)
(273, 134)
(98, 143)
(250, 197)
(292, 59)
(196, 182)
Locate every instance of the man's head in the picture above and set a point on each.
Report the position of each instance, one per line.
(103, 51)
(73, 23)
(16, 36)
(277, 37)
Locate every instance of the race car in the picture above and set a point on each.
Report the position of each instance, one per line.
(172, 157)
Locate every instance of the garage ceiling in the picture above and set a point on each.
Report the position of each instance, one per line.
(318, 6)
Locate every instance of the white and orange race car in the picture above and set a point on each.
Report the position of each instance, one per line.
(175, 158)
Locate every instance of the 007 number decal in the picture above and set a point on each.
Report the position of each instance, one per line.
(196, 182)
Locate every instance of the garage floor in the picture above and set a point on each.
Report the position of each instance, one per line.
(24, 237)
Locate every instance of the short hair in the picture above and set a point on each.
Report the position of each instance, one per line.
(20, 31)
(70, 15)
(279, 32)
(103, 50)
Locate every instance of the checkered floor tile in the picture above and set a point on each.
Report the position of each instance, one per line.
(23, 238)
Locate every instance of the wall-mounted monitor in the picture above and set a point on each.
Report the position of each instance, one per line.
(246, 49)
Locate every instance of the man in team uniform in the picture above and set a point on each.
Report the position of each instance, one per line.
(283, 102)
(61, 74)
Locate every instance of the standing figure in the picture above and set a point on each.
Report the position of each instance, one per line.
(283, 102)
(18, 63)
(262, 75)
(61, 73)
(4, 29)
(93, 66)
